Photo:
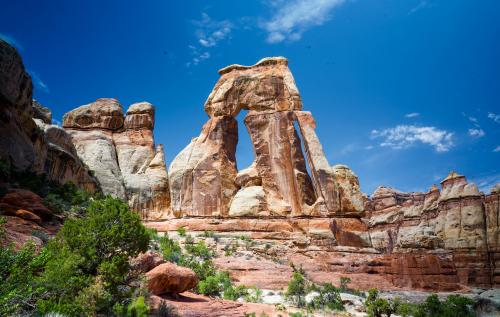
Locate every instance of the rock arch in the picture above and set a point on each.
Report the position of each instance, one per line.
(204, 178)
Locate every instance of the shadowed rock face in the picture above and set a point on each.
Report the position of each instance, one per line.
(28, 139)
(121, 152)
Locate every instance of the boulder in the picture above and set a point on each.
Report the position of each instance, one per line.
(248, 201)
(104, 113)
(28, 215)
(16, 199)
(168, 278)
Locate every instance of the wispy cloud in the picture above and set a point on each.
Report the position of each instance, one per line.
(476, 133)
(423, 4)
(404, 136)
(412, 115)
(497, 149)
(292, 18)
(486, 183)
(12, 41)
(209, 33)
(495, 117)
(37, 81)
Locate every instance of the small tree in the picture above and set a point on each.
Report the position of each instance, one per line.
(297, 289)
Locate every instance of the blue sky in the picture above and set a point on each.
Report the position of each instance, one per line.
(403, 91)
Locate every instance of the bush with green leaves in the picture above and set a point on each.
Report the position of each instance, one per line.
(328, 298)
(84, 270)
(181, 231)
(18, 270)
(453, 306)
(297, 288)
(166, 310)
(235, 292)
(253, 295)
(214, 285)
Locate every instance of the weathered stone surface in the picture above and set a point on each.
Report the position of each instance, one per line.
(28, 141)
(170, 278)
(352, 200)
(96, 149)
(202, 175)
(21, 143)
(41, 112)
(16, 199)
(249, 201)
(280, 162)
(267, 85)
(104, 113)
(121, 153)
(325, 185)
(248, 177)
(28, 215)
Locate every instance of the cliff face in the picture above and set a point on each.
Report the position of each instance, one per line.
(28, 139)
(121, 152)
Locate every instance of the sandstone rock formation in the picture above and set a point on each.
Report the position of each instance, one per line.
(120, 150)
(29, 141)
(203, 177)
(170, 278)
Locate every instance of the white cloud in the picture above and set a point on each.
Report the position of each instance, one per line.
(37, 81)
(477, 133)
(412, 115)
(486, 183)
(497, 149)
(404, 136)
(293, 18)
(495, 117)
(208, 33)
(11, 41)
(423, 4)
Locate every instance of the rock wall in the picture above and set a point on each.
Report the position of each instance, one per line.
(120, 150)
(28, 139)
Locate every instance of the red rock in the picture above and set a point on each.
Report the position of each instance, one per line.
(27, 215)
(170, 278)
(17, 199)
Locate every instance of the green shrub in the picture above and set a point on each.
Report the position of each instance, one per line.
(233, 293)
(18, 270)
(214, 285)
(208, 234)
(181, 231)
(200, 250)
(138, 308)
(297, 314)
(87, 267)
(166, 310)
(253, 295)
(453, 306)
(328, 298)
(170, 249)
(297, 289)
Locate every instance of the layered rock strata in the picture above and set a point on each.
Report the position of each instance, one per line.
(120, 150)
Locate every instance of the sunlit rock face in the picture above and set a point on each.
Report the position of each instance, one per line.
(121, 152)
